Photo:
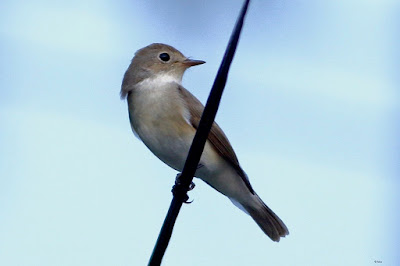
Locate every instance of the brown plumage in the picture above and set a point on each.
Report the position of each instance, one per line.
(165, 116)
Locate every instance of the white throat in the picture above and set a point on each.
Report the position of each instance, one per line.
(159, 80)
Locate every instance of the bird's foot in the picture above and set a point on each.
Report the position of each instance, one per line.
(179, 183)
(179, 191)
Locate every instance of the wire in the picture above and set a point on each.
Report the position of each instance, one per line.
(181, 188)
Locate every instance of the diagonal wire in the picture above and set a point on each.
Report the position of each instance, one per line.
(180, 189)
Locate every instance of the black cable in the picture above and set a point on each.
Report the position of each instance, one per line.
(196, 149)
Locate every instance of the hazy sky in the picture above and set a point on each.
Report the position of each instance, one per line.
(311, 107)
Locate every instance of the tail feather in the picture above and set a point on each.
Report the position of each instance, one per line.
(266, 219)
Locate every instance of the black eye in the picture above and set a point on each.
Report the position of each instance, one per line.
(164, 57)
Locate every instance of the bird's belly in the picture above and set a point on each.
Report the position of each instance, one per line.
(171, 141)
(164, 128)
(172, 146)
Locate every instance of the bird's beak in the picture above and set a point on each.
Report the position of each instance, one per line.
(191, 62)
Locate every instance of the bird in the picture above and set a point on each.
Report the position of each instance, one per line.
(164, 116)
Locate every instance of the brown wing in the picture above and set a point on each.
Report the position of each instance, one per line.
(216, 136)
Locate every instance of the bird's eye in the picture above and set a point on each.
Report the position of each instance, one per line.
(164, 57)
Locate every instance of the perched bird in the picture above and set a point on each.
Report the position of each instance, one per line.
(164, 115)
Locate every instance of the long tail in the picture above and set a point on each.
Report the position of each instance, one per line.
(266, 219)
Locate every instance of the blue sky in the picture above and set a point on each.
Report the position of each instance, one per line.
(311, 107)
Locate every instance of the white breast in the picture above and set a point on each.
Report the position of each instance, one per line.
(159, 117)
(161, 89)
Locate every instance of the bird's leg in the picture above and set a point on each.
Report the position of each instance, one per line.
(179, 191)
(178, 182)
(192, 185)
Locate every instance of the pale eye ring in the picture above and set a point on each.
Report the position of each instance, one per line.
(164, 57)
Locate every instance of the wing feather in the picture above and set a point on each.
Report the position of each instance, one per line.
(217, 137)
